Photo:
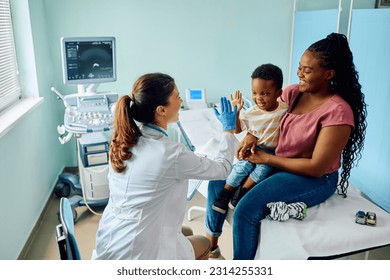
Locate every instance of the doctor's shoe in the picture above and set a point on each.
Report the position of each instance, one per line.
(221, 204)
(216, 254)
(186, 230)
(237, 197)
(201, 245)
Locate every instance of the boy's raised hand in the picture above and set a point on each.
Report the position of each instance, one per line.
(237, 100)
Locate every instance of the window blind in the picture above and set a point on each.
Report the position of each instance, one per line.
(10, 90)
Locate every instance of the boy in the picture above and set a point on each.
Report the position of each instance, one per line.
(262, 120)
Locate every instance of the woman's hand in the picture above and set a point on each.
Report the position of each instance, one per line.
(247, 145)
(258, 157)
(237, 100)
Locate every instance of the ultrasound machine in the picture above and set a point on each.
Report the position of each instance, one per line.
(87, 62)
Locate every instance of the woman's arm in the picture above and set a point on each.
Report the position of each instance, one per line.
(330, 143)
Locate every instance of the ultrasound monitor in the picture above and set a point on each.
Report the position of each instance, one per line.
(88, 60)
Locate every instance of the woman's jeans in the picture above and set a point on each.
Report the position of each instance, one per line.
(252, 208)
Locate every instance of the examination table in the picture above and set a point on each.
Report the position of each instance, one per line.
(329, 231)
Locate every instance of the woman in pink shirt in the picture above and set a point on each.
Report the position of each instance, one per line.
(322, 131)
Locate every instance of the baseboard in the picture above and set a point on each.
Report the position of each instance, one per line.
(30, 239)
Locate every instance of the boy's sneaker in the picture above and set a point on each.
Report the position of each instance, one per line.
(221, 204)
(216, 254)
(240, 192)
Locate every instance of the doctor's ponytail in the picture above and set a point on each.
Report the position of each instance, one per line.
(125, 136)
(149, 91)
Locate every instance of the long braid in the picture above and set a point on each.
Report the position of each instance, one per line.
(334, 52)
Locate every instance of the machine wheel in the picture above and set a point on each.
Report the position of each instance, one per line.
(62, 189)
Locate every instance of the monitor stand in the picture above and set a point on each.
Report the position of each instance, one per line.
(91, 89)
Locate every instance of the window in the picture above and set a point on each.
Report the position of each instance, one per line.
(10, 90)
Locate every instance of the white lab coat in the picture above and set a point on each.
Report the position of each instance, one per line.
(147, 202)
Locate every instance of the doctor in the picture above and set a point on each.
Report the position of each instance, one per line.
(149, 175)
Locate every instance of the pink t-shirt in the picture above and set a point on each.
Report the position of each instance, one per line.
(298, 133)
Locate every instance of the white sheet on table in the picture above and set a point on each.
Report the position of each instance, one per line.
(328, 230)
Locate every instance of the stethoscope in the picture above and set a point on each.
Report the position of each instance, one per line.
(183, 133)
(155, 127)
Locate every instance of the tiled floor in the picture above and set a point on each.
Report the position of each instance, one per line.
(44, 244)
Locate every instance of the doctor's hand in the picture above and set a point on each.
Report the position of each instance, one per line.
(247, 146)
(227, 117)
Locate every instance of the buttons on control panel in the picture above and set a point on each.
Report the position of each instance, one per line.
(84, 121)
(91, 114)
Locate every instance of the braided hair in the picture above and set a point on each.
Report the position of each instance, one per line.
(334, 53)
(149, 92)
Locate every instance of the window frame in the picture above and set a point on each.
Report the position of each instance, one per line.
(10, 86)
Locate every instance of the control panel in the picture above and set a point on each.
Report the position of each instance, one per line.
(88, 113)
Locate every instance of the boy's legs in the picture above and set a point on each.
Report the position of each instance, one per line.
(239, 172)
(221, 204)
(258, 174)
(241, 191)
